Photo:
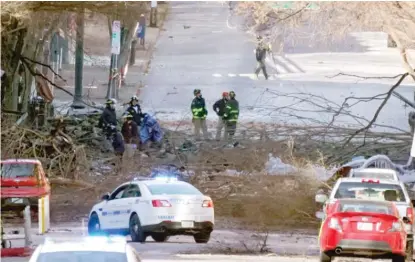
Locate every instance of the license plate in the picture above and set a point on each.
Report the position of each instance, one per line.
(16, 200)
(188, 224)
(364, 226)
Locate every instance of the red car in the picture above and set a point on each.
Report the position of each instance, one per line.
(23, 178)
(363, 228)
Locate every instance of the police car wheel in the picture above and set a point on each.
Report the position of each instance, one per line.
(94, 227)
(201, 237)
(136, 231)
(159, 237)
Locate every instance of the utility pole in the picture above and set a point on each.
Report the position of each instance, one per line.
(153, 14)
(79, 61)
(112, 91)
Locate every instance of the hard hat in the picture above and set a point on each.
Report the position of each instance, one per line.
(196, 91)
(134, 98)
(127, 115)
(111, 101)
(225, 94)
(232, 94)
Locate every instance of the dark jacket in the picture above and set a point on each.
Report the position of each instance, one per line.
(231, 111)
(219, 106)
(261, 51)
(108, 117)
(135, 111)
(198, 108)
(118, 143)
(130, 132)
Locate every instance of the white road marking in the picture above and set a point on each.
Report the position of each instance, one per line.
(251, 76)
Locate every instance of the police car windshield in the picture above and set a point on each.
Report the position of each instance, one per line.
(373, 175)
(370, 191)
(82, 256)
(16, 170)
(173, 189)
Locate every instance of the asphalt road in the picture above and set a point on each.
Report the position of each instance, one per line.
(183, 248)
(198, 49)
(283, 247)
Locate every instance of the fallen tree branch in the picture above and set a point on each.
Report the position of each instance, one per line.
(365, 77)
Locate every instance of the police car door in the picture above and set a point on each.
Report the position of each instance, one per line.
(130, 202)
(112, 210)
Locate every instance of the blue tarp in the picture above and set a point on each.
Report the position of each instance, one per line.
(150, 130)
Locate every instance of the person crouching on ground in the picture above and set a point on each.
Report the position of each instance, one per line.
(150, 132)
(219, 107)
(199, 113)
(129, 131)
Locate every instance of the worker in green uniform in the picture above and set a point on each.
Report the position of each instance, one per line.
(199, 113)
(231, 115)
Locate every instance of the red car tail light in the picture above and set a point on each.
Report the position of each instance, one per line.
(207, 203)
(160, 203)
(334, 224)
(396, 227)
(410, 214)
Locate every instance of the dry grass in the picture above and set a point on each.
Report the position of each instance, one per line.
(256, 198)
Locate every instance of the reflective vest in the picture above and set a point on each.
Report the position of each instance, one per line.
(231, 111)
(198, 108)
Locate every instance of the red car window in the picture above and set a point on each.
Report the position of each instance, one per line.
(17, 170)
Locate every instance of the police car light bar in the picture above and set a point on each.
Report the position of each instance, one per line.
(166, 178)
(370, 181)
(89, 240)
(141, 178)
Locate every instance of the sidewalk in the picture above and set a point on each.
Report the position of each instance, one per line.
(96, 67)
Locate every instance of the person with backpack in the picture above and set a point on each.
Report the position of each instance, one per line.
(219, 108)
(231, 115)
(199, 113)
(260, 54)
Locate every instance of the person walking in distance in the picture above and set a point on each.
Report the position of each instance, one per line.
(219, 108)
(231, 115)
(260, 54)
(199, 113)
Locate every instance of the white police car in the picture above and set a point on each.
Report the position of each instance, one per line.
(154, 208)
(88, 249)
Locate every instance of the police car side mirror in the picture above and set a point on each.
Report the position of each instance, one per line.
(105, 197)
(321, 198)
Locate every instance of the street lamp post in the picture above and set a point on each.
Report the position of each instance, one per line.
(79, 62)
